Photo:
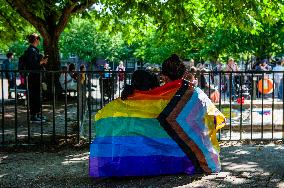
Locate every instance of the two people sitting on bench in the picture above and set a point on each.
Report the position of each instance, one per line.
(71, 78)
(68, 79)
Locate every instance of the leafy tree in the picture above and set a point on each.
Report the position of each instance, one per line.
(12, 26)
(212, 28)
(195, 28)
(83, 38)
(49, 18)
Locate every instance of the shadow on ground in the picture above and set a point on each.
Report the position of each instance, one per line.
(243, 166)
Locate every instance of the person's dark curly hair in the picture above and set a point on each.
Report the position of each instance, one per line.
(141, 80)
(31, 38)
(173, 67)
(9, 55)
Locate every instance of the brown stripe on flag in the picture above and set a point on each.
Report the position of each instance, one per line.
(171, 119)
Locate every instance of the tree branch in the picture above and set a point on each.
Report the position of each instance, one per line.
(36, 21)
(8, 21)
(68, 10)
(63, 20)
(83, 6)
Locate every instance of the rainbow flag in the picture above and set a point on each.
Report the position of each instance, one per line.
(169, 130)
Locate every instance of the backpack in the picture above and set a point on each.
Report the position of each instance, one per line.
(22, 64)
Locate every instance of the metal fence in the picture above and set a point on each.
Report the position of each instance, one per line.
(251, 101)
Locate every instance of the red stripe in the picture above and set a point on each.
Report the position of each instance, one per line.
(163, 92)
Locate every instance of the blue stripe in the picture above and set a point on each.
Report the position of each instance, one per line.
(134, 146)
(201, 139)
(130, 126)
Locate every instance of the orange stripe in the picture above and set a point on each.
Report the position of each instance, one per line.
(165, 92)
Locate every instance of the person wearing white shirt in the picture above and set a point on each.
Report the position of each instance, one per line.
(278, 77)
(120, 74)
(67, 80)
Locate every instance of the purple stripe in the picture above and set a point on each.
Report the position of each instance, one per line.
(194, 113)
(139, 166)
(197, 133)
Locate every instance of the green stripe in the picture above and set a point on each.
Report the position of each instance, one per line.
(123, 126)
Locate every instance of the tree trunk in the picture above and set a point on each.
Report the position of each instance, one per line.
(51, 49)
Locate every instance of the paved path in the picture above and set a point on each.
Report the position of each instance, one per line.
(243, 166)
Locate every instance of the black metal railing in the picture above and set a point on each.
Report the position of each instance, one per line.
(248, 99)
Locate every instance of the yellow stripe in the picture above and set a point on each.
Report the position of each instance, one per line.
(132, 108)
(213, 128)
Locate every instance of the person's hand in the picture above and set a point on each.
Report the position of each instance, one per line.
(43, 61)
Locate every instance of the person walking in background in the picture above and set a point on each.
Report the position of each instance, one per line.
(120, 74)
(216, 71)
(231, 67)
(34, 62)
(278, 78)
(120, 68)
(8, 75)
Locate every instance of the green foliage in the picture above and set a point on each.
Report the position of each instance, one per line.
(12, 26)
(49, 18)
(152, 30)
(83, 38)
(195, 29)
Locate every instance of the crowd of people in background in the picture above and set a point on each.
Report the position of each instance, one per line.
(214, 78)
(227, 77)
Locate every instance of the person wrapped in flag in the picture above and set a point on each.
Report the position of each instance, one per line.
(169, 129)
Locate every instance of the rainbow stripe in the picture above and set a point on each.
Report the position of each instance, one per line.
(168, 130)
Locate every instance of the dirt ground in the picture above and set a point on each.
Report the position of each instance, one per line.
(55, 125)
(243, 165)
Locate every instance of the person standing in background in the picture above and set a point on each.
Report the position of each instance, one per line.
(216, 71)
(263, 66)
(278, 78)
(34, 62)
(231, 67)
(66, 79)
(8, 75)
(107, 70)
(120, 74)
(72, 71)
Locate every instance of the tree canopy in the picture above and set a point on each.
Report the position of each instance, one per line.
(12, 26)
(49, 18)
(88, 42)
(152, 30)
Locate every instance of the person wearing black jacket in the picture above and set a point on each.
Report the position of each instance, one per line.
(34, 61)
